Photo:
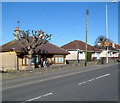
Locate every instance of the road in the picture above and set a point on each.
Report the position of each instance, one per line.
(95, 85)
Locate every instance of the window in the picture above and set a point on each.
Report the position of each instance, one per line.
(59, 59)
(25, 60)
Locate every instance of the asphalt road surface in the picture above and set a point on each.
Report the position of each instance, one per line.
(95, 85)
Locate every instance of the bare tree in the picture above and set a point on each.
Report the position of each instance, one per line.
(101, 39)
(29, 43)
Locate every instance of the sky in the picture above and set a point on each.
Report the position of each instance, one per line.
(66, 21)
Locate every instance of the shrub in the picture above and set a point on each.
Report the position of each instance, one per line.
(89, 56)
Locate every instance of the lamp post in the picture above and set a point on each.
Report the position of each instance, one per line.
(107, 29)
(107, 32)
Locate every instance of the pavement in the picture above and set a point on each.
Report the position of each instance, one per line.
(49, 75)
(96, 83)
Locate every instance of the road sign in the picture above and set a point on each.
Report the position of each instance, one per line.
(106, 43)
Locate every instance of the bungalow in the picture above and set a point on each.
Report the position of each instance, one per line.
(113, 50)
(76, 49)
(15, 58)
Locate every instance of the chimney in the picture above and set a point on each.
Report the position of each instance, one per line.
(16, 33)
(17, 28)
(113, 44)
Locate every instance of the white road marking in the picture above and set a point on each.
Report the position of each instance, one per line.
(93, 79)
(34, 98)
(82, 83)
(102, 76)
(38, 97)
(47, 94)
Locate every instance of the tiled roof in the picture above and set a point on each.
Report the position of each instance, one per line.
(52, 49)
(76, 44)
(12, 45)
(117, 47)
(48, 47)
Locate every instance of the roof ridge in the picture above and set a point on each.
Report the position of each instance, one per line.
(57, 46)
(9, 43)
(76, 42)
(48, 46)
(67, 43)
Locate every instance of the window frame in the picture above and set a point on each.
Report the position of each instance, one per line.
(59, 56)
(24, 61)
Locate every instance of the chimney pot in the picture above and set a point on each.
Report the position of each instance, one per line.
(17, 28)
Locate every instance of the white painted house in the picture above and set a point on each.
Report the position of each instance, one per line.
(76, 49)
(113, 50)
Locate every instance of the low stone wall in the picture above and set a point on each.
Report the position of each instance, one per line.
(56, 67)
(15, 74)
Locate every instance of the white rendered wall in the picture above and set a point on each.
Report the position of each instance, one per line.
(110, 54)
(97, 55)
(73, 55)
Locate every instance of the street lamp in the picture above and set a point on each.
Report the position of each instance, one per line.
(107, 29)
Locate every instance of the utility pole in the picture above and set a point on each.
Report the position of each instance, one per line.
(107, 32)
(87, 12)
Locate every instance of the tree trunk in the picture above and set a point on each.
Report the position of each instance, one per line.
(29, 59)
(35, 62)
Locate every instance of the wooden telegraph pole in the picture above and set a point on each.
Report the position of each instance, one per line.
(87, 12)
